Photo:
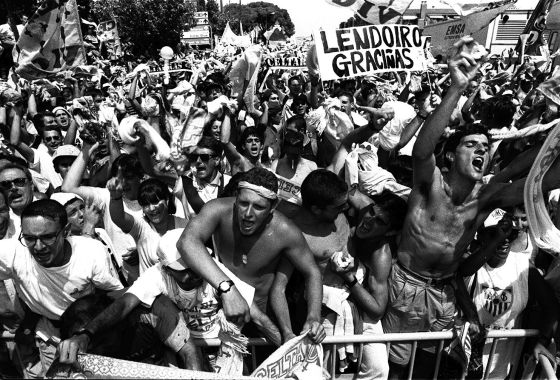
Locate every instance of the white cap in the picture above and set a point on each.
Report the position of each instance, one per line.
(66, 151)
(65, 198)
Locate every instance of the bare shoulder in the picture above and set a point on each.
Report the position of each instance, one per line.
(218, 207)
(285, 228)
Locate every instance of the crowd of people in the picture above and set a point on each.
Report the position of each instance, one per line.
(139, 213)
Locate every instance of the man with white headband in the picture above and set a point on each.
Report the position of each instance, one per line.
(250, 238)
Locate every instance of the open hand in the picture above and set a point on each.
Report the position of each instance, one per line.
(463, 66)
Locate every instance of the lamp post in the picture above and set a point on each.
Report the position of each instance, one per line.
(167, 54)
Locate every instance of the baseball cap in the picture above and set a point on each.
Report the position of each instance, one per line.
(65, 198)
(167, 251)
(65, 151)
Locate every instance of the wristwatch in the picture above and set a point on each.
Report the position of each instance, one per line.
(84, 331)
(224, 286)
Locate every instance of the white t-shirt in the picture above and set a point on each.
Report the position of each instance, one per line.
(101, 197)
(43, 163)
(200, 305)
(147, 240)
(49, 291)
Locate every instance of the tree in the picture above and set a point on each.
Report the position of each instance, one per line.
(146, 25)
(213, 10)
(259, 13)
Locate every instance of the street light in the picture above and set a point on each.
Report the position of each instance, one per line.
(167, 54)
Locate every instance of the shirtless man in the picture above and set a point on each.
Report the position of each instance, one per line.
(444, 211)
(250, 239)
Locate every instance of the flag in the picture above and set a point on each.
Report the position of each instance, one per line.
(378, 12)
(51, 41)
(445, 34)
(535, 28)
(466, 7)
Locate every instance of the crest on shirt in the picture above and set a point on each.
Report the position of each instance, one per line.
(497, 301)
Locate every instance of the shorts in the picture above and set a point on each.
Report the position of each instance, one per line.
(417, 303)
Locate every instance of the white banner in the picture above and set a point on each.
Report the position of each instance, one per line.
(445, 34)
(466, 7)
(364, 50)
(298, 358)
(378, 12)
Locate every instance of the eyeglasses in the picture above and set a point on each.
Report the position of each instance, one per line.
(52, 138)
(30, 241)
(18, 182)
(204, 157)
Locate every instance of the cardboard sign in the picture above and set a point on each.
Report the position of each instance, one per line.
(365, 50)
(445, 34)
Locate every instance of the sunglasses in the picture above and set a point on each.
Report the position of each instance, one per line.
(18, 182)
(204, 157)
(52, 138)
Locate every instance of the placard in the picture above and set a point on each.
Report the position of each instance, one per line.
(365, 50)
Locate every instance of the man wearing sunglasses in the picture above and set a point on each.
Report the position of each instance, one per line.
(205, 181)
(40, 158)
(45, 257)
(17, 186)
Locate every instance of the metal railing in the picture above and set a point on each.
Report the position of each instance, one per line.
(414, 338)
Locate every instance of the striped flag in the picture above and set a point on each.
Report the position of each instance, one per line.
(51, 41)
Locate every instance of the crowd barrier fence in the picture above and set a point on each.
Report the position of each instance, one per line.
(516, 335)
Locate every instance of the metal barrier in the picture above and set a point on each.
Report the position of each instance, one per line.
(414, 338)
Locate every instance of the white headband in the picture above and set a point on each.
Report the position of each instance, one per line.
(262, 191)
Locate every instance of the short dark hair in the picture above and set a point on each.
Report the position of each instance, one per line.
(295, 77)
(47, 208)
(49, 129)
(395, 206)
(209, 142)
(18, 167)
(129, 164)
(152, 191)
(261, 177)
(502, 110)
(250, 131)
(299, 122)
(469, 129)
(321, 188)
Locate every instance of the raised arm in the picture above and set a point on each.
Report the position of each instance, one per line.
(462, 67)
(233, 156)
(72, 181)
(378, 121)
(119, 216)
(194, 253)
(299, 254)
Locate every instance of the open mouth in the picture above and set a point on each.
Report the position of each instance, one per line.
(478, 163)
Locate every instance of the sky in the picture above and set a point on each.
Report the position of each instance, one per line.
(308, 15)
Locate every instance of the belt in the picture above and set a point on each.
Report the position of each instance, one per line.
(436, 282)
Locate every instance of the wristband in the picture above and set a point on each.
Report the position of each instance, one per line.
(350, 285)
(84, 331)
